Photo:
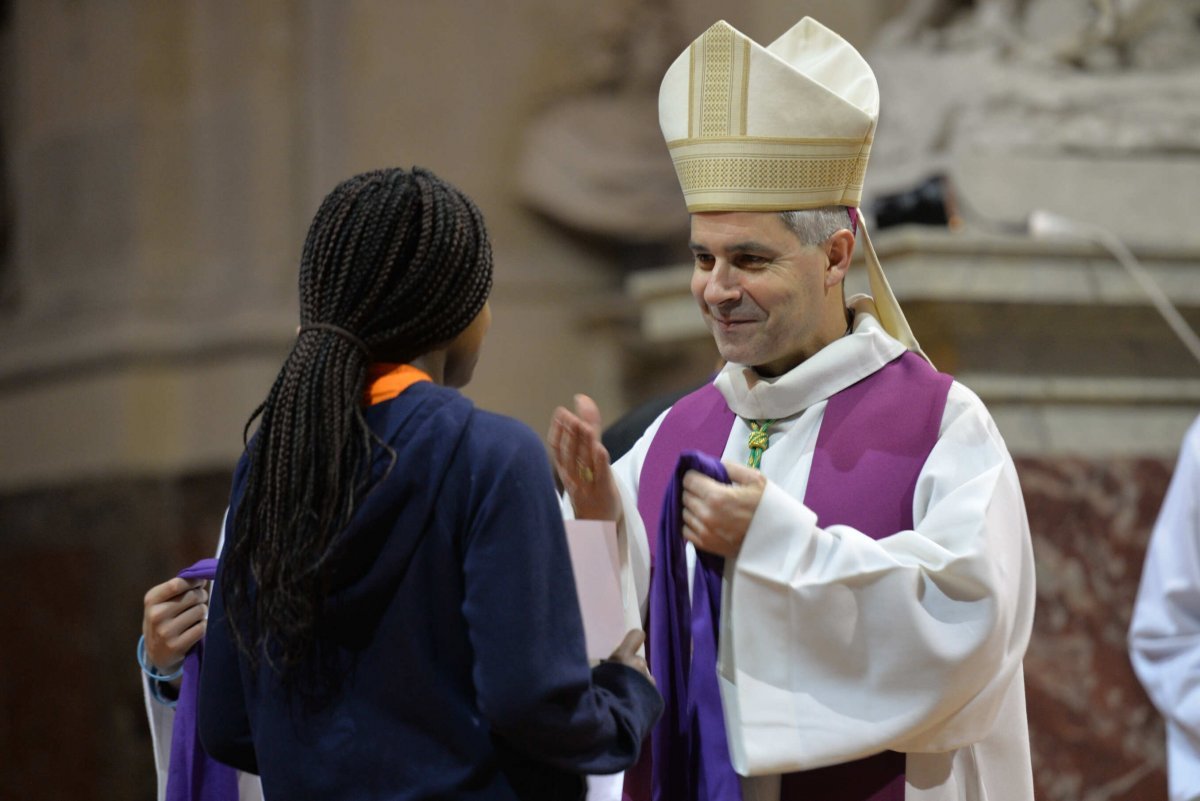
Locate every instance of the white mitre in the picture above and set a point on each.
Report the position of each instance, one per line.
(779, 128)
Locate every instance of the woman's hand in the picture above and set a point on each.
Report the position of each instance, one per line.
(174, 618)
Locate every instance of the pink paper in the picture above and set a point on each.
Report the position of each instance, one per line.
(593, 546)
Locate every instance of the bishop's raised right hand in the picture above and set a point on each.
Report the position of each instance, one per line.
(582, 463)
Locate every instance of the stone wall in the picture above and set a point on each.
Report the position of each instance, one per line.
(1094, 733)
(163, 162)
(76, 562)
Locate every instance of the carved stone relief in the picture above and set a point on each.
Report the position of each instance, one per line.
(1103, 79)
(594, 161)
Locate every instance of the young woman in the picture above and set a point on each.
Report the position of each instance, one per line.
(394, 615)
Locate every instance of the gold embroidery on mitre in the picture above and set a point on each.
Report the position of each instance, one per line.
(745, 99)
(692, 85)
(751, 173)
(792, 174)
(718, 84)
(717, 48)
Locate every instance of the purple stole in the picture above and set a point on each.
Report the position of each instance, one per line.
(193, 775)
(875, 434)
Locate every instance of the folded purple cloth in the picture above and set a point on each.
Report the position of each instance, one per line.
(193, 775)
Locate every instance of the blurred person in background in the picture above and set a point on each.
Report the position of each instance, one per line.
(1164, 633)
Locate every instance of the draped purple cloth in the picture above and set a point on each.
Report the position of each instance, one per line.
(193, 775)
(700, 421)
(875, 437)
(689, 751)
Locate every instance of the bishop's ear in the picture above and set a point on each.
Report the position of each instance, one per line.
(840, 249)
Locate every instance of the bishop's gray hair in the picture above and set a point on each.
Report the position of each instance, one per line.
(814, 226)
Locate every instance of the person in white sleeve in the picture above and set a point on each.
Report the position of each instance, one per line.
(1164, 634)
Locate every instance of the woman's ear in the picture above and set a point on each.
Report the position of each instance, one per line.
(840, 252)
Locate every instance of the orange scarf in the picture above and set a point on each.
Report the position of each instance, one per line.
(385, 381)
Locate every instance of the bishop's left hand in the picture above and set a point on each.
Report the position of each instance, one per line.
(717, 516)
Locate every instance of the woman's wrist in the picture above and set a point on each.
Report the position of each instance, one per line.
(151, 671)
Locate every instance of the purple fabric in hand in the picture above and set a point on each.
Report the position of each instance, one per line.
(690, 753)
(193, 775)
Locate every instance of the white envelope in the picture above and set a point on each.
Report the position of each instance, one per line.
(593, 546)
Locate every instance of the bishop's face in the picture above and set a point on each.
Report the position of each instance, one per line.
(762, 292)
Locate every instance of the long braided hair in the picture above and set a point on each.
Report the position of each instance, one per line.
(396, 263)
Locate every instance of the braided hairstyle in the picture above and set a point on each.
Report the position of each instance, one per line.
(396, 263)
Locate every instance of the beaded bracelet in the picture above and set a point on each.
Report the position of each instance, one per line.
(151, 670)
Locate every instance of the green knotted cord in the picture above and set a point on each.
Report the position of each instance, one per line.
(758, 441)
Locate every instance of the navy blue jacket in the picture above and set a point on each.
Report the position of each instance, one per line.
(454, 622)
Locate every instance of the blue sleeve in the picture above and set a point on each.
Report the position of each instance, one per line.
(531, 671)
(222, 719)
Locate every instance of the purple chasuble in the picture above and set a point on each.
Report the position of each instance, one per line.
(875, 434)
(194, 775)
(699, 421)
